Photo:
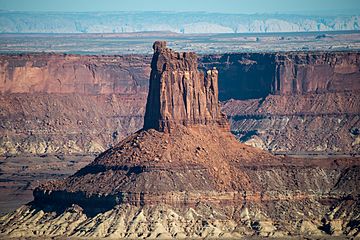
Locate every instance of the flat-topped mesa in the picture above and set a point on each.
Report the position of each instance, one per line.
(179, 93)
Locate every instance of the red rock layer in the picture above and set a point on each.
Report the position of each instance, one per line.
(321, 86)
(242, 75)
(68, 74)
(189, 149)
(255, 75)
(300, 73)
(180, 93)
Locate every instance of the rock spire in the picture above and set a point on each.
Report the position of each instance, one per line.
(179, 93)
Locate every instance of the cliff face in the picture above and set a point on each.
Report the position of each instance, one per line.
(47, 99)
(307, 124)
(282, 73)
(302, 73)
(287, 99)
(186, 96)
(292, 102)
(66, 74)
(251, 76)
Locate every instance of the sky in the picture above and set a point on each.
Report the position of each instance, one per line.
(222, 6)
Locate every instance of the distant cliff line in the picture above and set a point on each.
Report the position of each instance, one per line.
(242, 75)
(285, 102)
(178, 22)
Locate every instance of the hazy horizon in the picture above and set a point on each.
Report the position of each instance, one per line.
(313, 13)
(329, 7)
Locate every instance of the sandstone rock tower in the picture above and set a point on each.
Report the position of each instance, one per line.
(179, 93)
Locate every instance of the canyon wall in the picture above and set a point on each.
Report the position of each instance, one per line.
(285, 102)
(292, 102)
(66, 74)
(301, 73)
(241, 75)
(47, 100)
(256, 75)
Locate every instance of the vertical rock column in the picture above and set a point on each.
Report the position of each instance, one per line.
(179, 93)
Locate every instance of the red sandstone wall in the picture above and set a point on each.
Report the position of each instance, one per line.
(239, 74)
(50, 73)
(83, 104)
(256, 75)
(299, 73)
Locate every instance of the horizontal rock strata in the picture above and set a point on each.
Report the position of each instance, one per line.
(323, 92)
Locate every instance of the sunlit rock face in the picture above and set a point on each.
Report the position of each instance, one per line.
(186, 96)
